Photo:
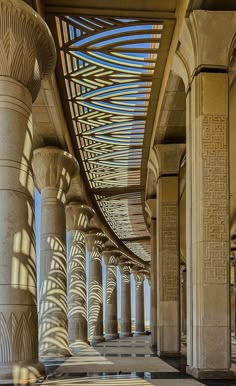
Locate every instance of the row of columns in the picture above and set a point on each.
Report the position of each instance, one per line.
(62, 331)
(29, 56)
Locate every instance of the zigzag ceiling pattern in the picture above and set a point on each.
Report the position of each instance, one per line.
(108, 66)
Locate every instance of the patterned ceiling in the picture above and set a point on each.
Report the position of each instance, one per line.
(108, 66)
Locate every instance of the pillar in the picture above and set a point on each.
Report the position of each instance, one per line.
(53, 169)
(77, 220)
(207, 183)
(152, 203)
(111, 323)
(126, 328)
(95, 240)
(27, 56)
(168, 251)
(139, 303)
(183, 301)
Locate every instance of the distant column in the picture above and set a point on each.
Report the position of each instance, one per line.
(139, 309)
(77, 219)
(183, 301)
(111, 323)
(95, 240)
(53, 170)
(125, 300)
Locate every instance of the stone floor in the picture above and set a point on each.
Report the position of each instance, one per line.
(124, 362)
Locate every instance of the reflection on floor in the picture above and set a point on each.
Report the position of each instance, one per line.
(123, 362)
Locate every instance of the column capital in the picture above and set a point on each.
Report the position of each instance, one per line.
(27, 49)
(111, 257)
(139, 275)
(78, 215)
(53, 168)
(95, 237)
(197, 53)
(168, 157)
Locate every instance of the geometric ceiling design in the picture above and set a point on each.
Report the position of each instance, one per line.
(108, 65)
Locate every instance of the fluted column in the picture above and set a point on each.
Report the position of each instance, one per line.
(139, 309)
(53, 169)
(77, 219)
(27, 55)
(111, 323)
(95, 243)
(126, 328)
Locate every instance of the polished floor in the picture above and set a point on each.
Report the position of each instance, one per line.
(123, 362)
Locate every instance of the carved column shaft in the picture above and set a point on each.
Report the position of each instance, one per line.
(111, 323)
(153, 289)
(125, 330)
(168, 250)
(53, 169)
(77, 217)
(95, 242)
(24, 37)
(209, 225)
(139, 304)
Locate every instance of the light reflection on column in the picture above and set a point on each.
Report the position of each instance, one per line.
(95, 244)
(125, 271)
(77, 217)
(111, 323)
(139, 310)
(53, 170)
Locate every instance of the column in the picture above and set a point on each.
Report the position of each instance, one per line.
(125, 271)
(53, 169)
(139, 303)
(77, 219)
(183, 301)
(152, 204)
(168, 251)
(208, 257)
(95, 240)
(111, 324)
(27, 56)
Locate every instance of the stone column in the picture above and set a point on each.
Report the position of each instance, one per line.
(95, 240)
(125, 330)
(53, 169)
(139, 303)
(168, 251)
(183, 301)
(27, 56)
(111, 324)
(77, 219)
(152, 203)
(208, 257)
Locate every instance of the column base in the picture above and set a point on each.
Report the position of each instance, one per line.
(125, 334)
(168, 354)
(96, 340)
(21, 373)
(138, 333)
(111, 336)
(209, 373)
(55, 352)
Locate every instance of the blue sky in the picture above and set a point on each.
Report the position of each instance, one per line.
(146, 285)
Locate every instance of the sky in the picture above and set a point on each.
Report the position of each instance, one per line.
(146, 285)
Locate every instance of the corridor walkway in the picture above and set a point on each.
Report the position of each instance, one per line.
(122, 362)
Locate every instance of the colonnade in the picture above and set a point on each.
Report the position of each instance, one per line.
(28, 56)
(62, 304)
